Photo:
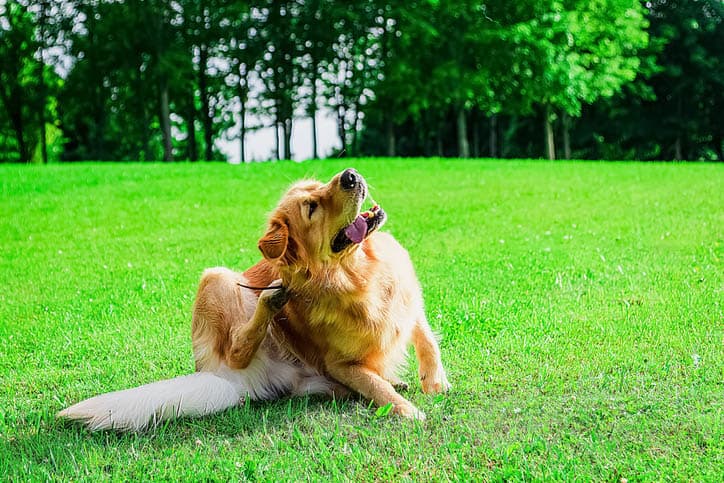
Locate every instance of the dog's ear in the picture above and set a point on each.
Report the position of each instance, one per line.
(274, 242)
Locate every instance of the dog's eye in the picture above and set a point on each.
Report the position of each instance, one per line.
(312, 206)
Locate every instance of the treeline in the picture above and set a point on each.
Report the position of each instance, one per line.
(166, 79)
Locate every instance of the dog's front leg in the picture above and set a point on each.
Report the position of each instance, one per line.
(246, 338)
(432, 374)
(372, 386)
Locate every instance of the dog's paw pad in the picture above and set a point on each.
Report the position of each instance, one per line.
(400, 386)
(274, 299)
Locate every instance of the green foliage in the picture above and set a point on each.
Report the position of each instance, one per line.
(383, 411)
(674, 111)
(20, 73)
(598, 55)
(29, 82)
(162, 79)
(579, 306)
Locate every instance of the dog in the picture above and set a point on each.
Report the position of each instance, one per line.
(330, 308)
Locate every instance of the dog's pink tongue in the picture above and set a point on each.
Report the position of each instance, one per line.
(357, 230)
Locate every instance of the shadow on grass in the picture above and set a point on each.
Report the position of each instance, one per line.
(39, 439)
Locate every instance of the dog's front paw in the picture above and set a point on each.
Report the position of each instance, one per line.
(407, 410)
(274, 299)
(435, 383)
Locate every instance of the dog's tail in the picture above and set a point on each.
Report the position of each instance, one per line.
(135, 409)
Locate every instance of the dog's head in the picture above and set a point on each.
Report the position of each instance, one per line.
(316, 223)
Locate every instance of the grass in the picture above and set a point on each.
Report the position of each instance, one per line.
(580, 306)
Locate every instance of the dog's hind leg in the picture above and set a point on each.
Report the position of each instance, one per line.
(221, 306)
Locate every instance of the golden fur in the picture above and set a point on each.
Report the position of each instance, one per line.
(350, 315)
(349, 307)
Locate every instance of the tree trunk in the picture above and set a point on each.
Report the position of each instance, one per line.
(43, 136)
(390, 135)
(22, 147)
(355, 133)
(284, 152)
(20, 137)
(313, 115)
(43, 90)
(206, 118)
(97, 130)
(493, 135)
(242, 89)
(41, 120)
(438, 140)
(277, 153)
(476, 135)
(462, 128)
(165, 122)
(677, 149)
(424, 133)
(145, 153)
(15, 113)
(678, 152)
(287, 130)
(242, 128)
(19, 128)
(549, 139)
(506, 147)
(341, 131)
(566, 135)
(191, 135)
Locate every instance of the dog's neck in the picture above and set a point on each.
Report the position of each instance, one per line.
(333, 277)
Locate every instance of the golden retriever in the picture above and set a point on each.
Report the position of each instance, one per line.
(348, 308)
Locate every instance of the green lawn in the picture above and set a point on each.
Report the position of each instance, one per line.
(580, 306)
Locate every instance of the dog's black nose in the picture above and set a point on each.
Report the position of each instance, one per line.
(349, 179)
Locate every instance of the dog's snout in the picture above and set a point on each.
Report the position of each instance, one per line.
(349, 179)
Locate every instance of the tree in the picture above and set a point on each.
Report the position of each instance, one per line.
(610, 78)
(672, 110)
(316, 52)
(20, 75)
(354, 68)
(205, 31)
(574, 53)
(689, 88)
(243, 46)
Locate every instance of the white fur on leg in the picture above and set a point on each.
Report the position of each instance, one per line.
(313, 385)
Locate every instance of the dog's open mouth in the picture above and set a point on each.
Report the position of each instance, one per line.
(359, 229)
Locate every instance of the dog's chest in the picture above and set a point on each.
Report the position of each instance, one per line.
(350, 326)
(338, 312)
